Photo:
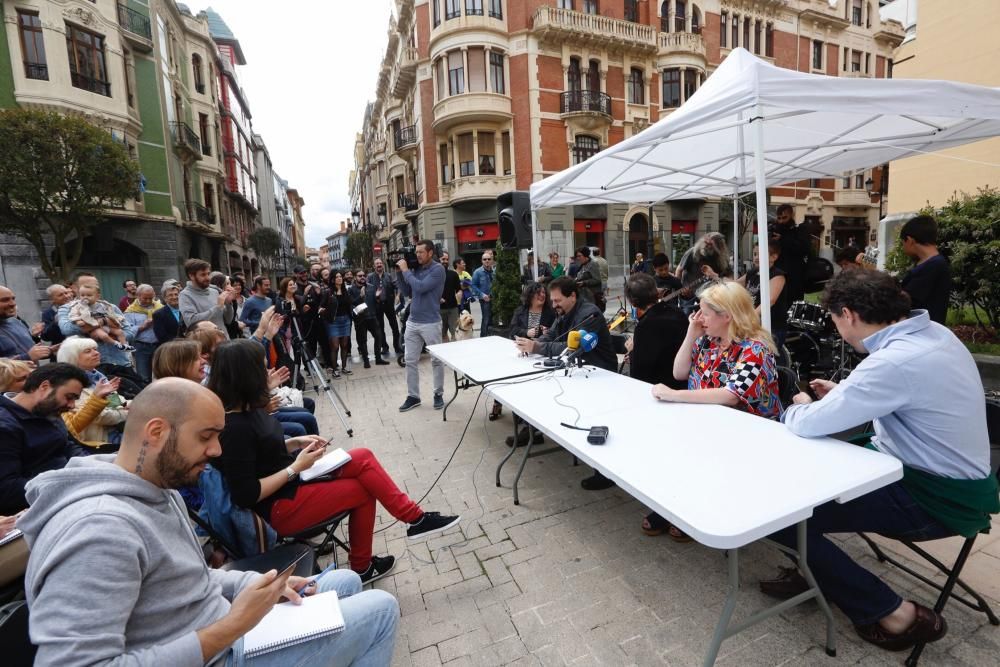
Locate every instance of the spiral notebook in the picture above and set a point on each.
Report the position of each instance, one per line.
(288, 624)
(330, 461)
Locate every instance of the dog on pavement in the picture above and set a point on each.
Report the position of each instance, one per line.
(465, 326)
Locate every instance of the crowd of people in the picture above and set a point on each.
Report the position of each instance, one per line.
(108, 409)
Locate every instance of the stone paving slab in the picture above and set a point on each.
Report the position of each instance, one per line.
(567, 578)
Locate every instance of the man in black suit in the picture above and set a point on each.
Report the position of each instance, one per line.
(385, 299)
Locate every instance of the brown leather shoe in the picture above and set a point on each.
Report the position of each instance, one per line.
(786, 585)
(928, 627)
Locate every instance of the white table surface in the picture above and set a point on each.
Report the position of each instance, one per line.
(486, 359)
(725, 477)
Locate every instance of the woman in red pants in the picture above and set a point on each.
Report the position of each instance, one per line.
(262, 471)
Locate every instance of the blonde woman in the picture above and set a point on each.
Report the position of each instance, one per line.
(100, 412)
(13, 373)
(727, 359)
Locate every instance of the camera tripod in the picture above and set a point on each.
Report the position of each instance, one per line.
(319, 380)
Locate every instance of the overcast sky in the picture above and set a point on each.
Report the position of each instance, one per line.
(312, 65)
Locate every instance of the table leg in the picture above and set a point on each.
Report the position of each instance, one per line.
(527, 453)
(722, 627)
(831, 646)
(510, 453)
(444, 416)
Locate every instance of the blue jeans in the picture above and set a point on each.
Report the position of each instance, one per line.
(487, 309)
(889, 511)
(370, 620)
(144, 359)
(294, 416)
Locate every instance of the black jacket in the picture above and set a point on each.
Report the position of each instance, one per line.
(165, 325)
(367, 297)
(388, 284)
(795, 247)
(519, 321)
(51, 332)
(658, 335)
(554, 342)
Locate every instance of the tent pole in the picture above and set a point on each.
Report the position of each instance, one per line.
(761, 180)
(736, 232)
(534, 244)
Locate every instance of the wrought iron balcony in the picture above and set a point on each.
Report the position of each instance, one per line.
(186, 139)
(38, 71)
(407, 202)
(134, 22)
(197, 213)
(405, 136)
(576, 101)
(90, 83)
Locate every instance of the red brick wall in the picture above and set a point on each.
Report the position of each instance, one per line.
(710, 33)
(555, 155)
(519, 12)
(432, 176)
(423, 23)
(519, 104)
(550, 73)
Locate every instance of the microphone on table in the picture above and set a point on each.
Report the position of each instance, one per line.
(557, 362)
(587, 343)
(572, 344)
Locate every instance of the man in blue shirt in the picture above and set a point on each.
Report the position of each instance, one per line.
(482, 287)
(15, 337)
(424, 285)
(921, 389)
(256, 304)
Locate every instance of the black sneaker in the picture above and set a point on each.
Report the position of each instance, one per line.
(368, 364)
(430, 523)
(378, 568)
(410, 403)
(438, 401)
(381, 362)
(596, 482)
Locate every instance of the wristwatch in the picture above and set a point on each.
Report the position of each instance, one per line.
(291, 473)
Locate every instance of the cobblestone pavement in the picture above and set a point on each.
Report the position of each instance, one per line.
(567, 577)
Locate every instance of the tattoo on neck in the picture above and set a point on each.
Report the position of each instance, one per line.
(142, 457)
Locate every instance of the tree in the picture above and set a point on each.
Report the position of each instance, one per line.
(266, 243)
(358, 252)
(506, 292)
(59, 175)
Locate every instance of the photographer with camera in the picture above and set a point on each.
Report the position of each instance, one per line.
(424, 284)
(312, 299)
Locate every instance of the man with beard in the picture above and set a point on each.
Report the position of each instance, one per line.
(364, 320)
(114, 558)
(15, 336)
(574, 314)
(199, 301)
(33, 438)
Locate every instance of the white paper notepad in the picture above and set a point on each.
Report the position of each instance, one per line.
(325, 465)
(289, 624)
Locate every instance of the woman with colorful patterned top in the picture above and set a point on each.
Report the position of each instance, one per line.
(728, 359)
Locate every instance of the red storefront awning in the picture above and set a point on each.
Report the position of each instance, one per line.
(474, 233)
(589, 226)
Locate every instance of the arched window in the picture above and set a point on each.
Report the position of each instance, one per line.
(723, 29)
(736, 32)
(665, 16)
(636, 86)
(758, 36)
(680, 16)
(573, 82)
(585, 147)
(695, 20)
(594, 77)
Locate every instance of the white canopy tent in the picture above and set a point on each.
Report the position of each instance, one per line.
(753, 125)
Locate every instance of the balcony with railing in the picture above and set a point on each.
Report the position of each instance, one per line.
(560, 25)
(137, 27)
(186, 141)
(90, 83)
(682, 43)
(471, 107)
(407, 202)
(195, 212)
(38, 71)
(405, 138)
(404, 72)
(585, 101)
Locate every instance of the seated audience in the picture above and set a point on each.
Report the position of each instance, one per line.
(262, 472)
(116, 575)
(98, 319)
(201, 301)
(575, 313)
(167, 322)
(31, 441)
(140, 313)
(13, 373)
(115, 362)
(659, 334)
(97, 419)
(921, 388)
(15, 336)
(179, 358)
(49, 330)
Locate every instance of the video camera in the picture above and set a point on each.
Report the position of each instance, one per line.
(407, 252)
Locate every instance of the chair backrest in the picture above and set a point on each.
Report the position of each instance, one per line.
(17, 647)
(788, 385)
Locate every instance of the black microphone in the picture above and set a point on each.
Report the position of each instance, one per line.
(551, 361)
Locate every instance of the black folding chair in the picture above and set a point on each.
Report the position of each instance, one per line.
(953, 573)
(17, 647)
(788, 385)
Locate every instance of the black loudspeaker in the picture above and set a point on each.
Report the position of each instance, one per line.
(514, 216)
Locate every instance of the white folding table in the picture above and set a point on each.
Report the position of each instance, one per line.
(724, 477)
(483, 360)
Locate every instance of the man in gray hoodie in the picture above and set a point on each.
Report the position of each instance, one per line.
(116, 575)
(200, 301)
